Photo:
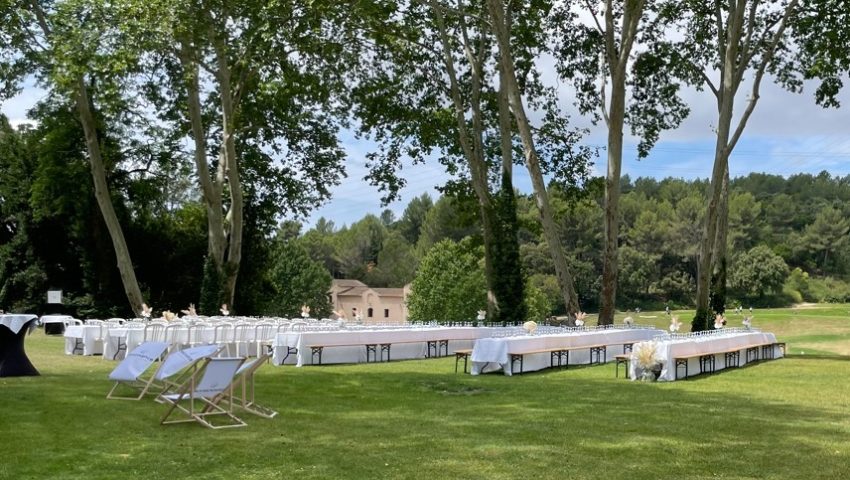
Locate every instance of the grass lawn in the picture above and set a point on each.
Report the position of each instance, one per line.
(782, 419)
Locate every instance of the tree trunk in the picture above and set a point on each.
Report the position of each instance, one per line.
(532, 162)
(610, 258)
(472, 148)
(231, 169)
(720, 261)
(617, 63)
(104, 200)
(210, 188)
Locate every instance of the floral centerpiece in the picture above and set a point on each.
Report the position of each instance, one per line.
(530, 327)
(675, 324)
(169, 316)
(146, 311)
(580, 316)
(629, 321)
(305, 311)
(190, 312)
(224, 311)
(647, 361)
(719, 321)
(482, 314)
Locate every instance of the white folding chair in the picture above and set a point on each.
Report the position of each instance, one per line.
(130, 372)
(205, 391)
(223, 335)
(154, 332)
(241, 336)
(264, 335)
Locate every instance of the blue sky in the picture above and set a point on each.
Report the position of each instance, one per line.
(787, 134)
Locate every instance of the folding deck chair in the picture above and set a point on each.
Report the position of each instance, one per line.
(244, 388)
(205, 391)
(180, 362)
(131, 370)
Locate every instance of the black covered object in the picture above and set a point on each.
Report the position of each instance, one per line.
(13, 358)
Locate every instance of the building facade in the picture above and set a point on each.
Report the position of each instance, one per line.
(375, 305)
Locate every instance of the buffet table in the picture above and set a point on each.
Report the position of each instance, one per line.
(350, 346)
(715, 343)
(13, 358)
(493, 354)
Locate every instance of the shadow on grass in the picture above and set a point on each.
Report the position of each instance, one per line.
(420, 420)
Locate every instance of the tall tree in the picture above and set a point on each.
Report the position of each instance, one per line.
(727, 40)
(268, 71)
(501, 25)
(602, 87)
(61, 44)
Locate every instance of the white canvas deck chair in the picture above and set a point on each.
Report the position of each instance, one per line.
(178, 365)
(205, 391)
(130, 372)
(243, 395)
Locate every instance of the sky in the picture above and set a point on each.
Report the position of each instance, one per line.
(787, 134)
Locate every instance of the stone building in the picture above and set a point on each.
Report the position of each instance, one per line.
(376, 305)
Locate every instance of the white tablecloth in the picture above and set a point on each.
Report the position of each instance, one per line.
(719, 342)
(459, 338)
(491, 354)
(177, 338)
(90, 335)
(15, 321)
(131, 337)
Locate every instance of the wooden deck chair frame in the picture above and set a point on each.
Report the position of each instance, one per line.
(172, 374)
(244, 388)
(206, 396)
(144, 355)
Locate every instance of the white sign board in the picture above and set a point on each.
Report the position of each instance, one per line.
(54, 296)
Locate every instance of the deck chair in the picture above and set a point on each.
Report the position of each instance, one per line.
(243, 395)
(179, 365)
(130, 372)
(205, 391)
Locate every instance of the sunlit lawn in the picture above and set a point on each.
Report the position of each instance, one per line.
(783, 419)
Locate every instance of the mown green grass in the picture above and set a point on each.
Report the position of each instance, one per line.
(783, 419)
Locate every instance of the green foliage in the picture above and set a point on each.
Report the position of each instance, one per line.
(539, 305)
(758, 272)
(296, 280)
(450, 284)
(212, 292)
(396, 264)
(507, 283)
(827, 289)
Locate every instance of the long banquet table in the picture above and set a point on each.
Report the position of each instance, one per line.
(13, 359)
(670, 349)
(348, 346)
(492, 354)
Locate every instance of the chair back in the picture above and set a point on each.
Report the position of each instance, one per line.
(196, 333)
(264, 332)
(154, 332)
(223, 333)
(218, 375)
(181, 359)
(137, 361)
(172, 333)
(240, 332)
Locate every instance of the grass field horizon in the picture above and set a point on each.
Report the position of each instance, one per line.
(417, 419)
